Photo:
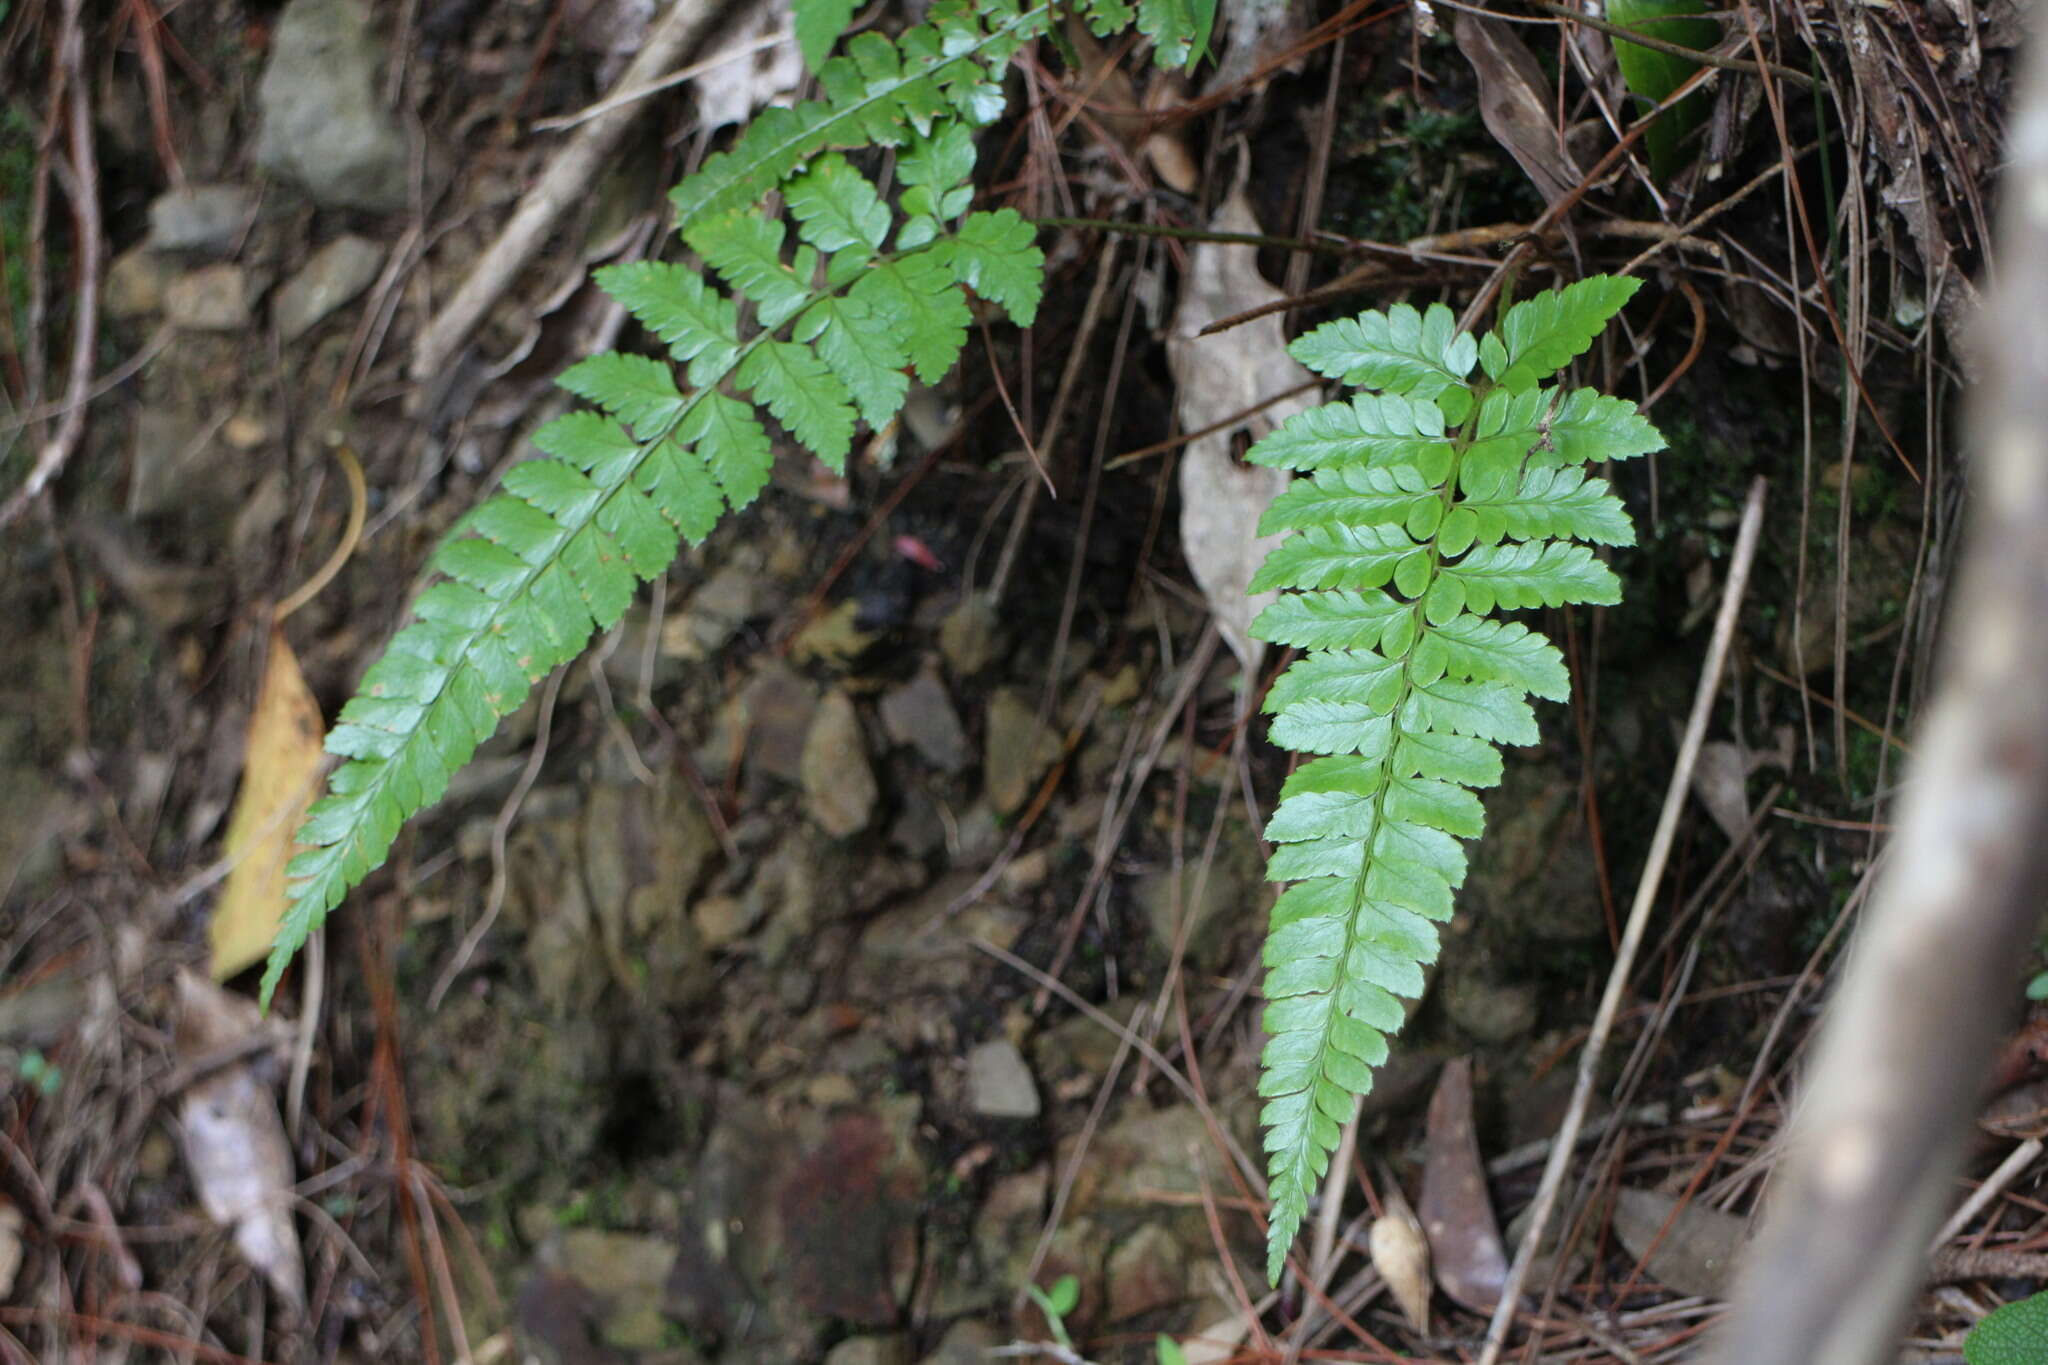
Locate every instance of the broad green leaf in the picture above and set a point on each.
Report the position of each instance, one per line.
(1653, 76)
(2015, 1334)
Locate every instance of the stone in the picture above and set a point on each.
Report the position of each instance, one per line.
(830, 1091)
(920, 714)
(135, 283)
(330, 277)
(999, 1084)
(890, 1349)
(967, 637)
(775, 709)
(214, 298)
(627, 1272)
(966, 1342)
(642, 856)
(1535, 868)
(324, 124)
(1487, 1010)
(849, 1213)
(728, 600)
(839, 785)
(724, 920)
(1147, 1270)
(1016, 750)
(204, 219)
(1210, 905)
(1007, 1226)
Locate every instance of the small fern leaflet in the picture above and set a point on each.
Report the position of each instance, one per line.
(1431, 504)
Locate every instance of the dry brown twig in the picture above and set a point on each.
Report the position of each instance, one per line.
(568, 175)
(1638, 920)
(80, 180)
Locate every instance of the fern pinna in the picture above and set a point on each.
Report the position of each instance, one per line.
(1468, 495)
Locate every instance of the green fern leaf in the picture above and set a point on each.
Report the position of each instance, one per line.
(557, 555)
(995, 256)
(1553, 503)
(1179, 29)
(1106, 17)
(836, 208)
(878, 94)
(1331, 620)
(1541, 336)
(1399, 351)
(1380, 429)
(1585, 426)
(818, 24)
(1433, 503)
(804, 395)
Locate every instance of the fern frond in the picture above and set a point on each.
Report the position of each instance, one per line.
(813, 332)
(1434, 503)
(879, 94)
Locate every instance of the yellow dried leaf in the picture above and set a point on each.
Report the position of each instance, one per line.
(1401, 1255)
(280, 767)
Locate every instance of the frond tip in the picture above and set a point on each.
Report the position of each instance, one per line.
(1430, 505)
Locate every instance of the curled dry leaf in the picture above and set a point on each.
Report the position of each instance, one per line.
(1515, 102)
(1218, 376)
(234, 1140)
(1401, 1255)
(1457, 1212)
(1166, 147)
(280, 772)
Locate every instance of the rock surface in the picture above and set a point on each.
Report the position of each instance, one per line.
(200, 218)
(325, 127)
(999, 1084)
(839, 785)
(1016, 751)
(920, 714)
(333, 275)
(214, 298)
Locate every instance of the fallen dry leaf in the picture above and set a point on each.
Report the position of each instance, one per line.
(734, 91)
(280, 770)
(1255, 33)
(1515, 102)
(1401, 1255)
(1457, 1212)
(1219, 376)
(233, 1139)
(1691, 1249)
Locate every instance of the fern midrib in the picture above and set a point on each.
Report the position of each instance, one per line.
(794, 144)
(1459, 445)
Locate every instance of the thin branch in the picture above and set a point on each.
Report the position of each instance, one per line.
(1638, 920)
(81, 187)
(562, 185)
